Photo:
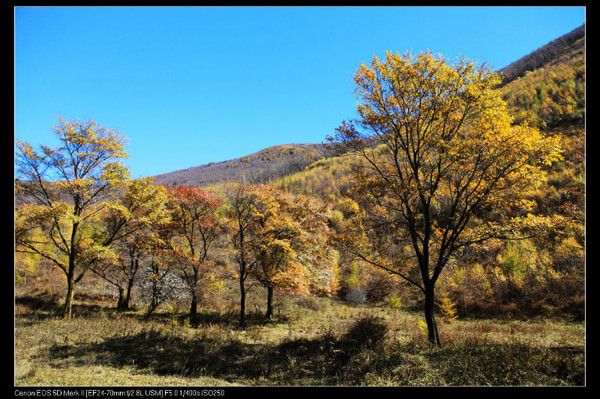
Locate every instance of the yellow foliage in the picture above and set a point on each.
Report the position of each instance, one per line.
(448, 306)
(394, 301)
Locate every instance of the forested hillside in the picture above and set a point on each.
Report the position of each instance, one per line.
(545, 89)
(560, 48)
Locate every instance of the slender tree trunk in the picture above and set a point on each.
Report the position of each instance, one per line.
(242, 282)
(151, 309)
(269, 302)
(133, 272)
(121, 301)
(67, 311)
(154, 300)
(242, 302)
(432, 331)
(127, 299)
(193, 307)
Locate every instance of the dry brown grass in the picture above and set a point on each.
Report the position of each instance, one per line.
(309, 344)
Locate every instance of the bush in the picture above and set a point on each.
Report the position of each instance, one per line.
(379, 286)
(393, 301)
(356, 296)
(309, 302)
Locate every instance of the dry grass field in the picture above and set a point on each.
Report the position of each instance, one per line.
(310, 342)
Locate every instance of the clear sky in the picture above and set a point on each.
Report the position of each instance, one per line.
(192, 85)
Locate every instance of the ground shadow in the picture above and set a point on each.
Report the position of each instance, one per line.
(324, 360)
(231, 319)
(354, 358)
(41, 307)
(48, 306)
(38, 302)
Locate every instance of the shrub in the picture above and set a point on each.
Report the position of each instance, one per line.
(448, 307)
(393, 301)
(379, 286)
(309, 302)
(356, 296)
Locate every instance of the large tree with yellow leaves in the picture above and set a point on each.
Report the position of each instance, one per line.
(68, 193)
(441, 165)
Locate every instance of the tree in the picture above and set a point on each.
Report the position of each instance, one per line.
(280, 234)
(194, 219)
(241, 203)
(440, 166)
(158, 283)
(276, 235)
(144, 205)
(66, 190)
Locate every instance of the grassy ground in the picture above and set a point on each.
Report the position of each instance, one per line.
(311, 342)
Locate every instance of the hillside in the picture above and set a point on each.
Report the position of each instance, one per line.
(266, 165)
(561, 48)
(551, 96)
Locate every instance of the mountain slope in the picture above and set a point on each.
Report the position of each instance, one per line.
(552, 95)
(266, 165)
(551, 98)
(560, 48)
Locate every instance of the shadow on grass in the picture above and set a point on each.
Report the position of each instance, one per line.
(40, 307)
(47, 306)
(231, 319)
(35, 308)
(360, 356)
(325, 360)
(228, 320)
(38, 302)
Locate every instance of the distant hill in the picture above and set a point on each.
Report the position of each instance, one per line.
(549, 53)
(263, 166)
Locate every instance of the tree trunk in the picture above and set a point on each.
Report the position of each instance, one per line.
(193, 307)
(67, 313)
(242, 303)
(71, 271)
(432, 331)
(154, 302)
(151, 308)
(133, 268)
(269, 302)
(127, 298)
(121, 301)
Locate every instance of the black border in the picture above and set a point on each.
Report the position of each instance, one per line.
(7, 169)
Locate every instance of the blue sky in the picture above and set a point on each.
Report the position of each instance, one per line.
(192, 85)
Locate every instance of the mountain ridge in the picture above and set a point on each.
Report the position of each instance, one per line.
(544, 55)
(265, 165)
